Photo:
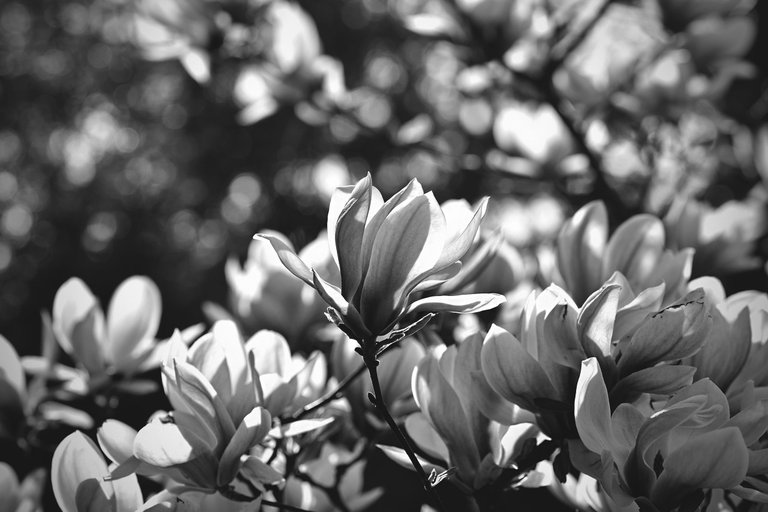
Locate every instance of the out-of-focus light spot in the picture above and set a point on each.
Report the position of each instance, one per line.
(15, 19)
(100, 232)
(383, 71)
(100, 56)
(476, 116)
(17, 221)
(127, 141)
(235, 213)
(422, 166)
(184, 228)
(328, 174)
(6, 256)
(546, 216)
(212, 235)
(10, 146)
(174, 116)
(375, 111)
(52, 64)
(9, 185)
(80, 160)
(74, 18)
(343, 130)
(245, 190)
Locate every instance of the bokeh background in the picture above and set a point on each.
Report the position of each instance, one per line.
(115, 160)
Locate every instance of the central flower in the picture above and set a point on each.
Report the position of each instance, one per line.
(390, 255)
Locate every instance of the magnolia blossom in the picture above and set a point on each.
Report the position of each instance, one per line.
(586, 256)
(219, 416)
(24, 496)
(264, 295)
(458, 423)
(78, 472)
(122, 342)
(387, 254)
(177, 29)
(691, 443)
(626, 334)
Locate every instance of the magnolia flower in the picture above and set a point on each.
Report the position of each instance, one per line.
(386, 254)
(586, 257)
(727, 344)
(492, 265)
(78, 474)
(291, 68)
(124, 342)
(457, 425)
(177, 29)
(724, 237)
(536, 371)
(264, 295)
(22, 496)
(394, 370)
(218, 418)
(287, 382)
(692, 443)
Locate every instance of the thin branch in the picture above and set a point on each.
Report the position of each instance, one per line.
(371, 362)
(570, 44)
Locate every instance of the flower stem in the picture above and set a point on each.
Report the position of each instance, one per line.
(371, 362)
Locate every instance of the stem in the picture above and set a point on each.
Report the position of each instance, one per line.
(371, 362)
(330, 396)
(335, 392)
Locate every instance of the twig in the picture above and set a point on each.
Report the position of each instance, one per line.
(371, 362)
(559, 57)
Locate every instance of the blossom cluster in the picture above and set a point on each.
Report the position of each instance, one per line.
(622, 385)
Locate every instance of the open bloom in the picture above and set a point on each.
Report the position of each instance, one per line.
(123, 342)
(388, 254)
(264, 295)
(586, 257)
(458, 426)
(219, 416)
(77, 474)
(691, 444)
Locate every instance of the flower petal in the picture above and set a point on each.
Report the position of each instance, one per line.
(634, 250)
(592, 409)
(714, 460)
(133, 316)
(116, 440)
(254, 427)
(348, 236)
(580, 247)
(288, 256)
(407, 245)
(512, 372)
(675, 332)
(658, 380)
(469, 303)
(271, 353)
(10, 367)
(596, 319)
(78, 322)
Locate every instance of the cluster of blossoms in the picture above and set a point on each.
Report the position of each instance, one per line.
(626, 386)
